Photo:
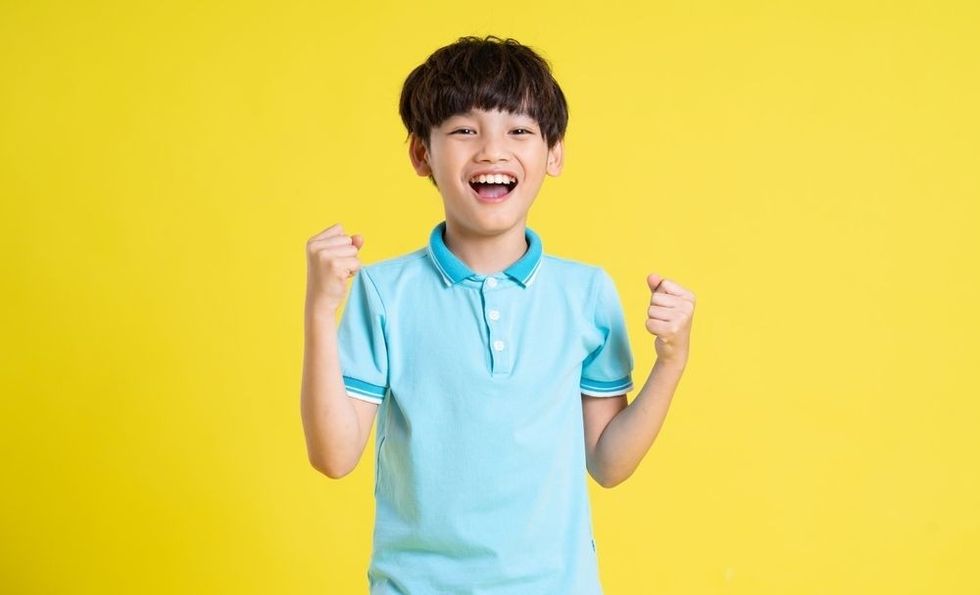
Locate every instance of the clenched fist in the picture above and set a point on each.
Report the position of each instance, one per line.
(331, 258)
(669, 318)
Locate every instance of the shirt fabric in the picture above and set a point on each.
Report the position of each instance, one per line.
(480, 484)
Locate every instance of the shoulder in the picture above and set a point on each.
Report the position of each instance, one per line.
(593, 287)
(580, 274)
(384, 270)
(406, 278)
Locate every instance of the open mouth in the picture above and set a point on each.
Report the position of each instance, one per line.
(493, 190)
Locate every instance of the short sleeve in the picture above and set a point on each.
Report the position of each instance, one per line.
(363, 350)
(606, 372)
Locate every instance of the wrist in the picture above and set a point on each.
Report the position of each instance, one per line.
(676, 361)
(321, 307)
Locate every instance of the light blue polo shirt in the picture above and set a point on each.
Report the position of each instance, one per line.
(480, 483)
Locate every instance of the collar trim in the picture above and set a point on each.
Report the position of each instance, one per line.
(453, 270)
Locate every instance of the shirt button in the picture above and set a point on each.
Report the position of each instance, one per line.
(494, 315)
(491, 282)
(498, 345)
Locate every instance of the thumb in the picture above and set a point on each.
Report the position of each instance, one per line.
(357, 240)
(653, 280)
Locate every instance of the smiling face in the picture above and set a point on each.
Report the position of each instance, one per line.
(479, 143)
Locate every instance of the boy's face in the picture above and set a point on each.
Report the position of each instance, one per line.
(466, 145)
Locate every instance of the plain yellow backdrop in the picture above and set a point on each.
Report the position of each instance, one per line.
(809, 170)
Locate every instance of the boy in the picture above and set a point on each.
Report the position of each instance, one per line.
(499, 373)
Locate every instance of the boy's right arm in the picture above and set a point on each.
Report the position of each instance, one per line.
(336, 426)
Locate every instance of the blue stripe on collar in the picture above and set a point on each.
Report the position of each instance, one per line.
(454, 270)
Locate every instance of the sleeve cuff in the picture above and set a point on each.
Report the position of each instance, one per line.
(604, 388)
(365, 391)
(363, 398)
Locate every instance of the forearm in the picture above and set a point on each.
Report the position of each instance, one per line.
(329, 419)
(629, 435)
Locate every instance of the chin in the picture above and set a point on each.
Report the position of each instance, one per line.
(483, 225)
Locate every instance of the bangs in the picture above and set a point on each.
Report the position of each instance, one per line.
(487, 74)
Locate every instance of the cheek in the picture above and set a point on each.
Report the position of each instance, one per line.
(444, 180)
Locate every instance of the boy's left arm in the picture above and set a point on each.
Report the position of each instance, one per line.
(617, 435)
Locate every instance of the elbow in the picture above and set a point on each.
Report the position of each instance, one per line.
(601, 479)
(331, 470)
(609, 480)
(597, 473)
(611, 483)
(608, 483)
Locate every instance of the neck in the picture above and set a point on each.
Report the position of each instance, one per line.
(486, 254)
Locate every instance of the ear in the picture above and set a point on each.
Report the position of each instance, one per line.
(419, 156)
(556, 158)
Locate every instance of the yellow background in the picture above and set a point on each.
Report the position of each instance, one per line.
(809, 170)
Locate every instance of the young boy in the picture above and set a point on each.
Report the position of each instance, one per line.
(498, 372)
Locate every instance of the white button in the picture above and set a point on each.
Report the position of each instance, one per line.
(498, 345)
(491, 282)
(494, 315)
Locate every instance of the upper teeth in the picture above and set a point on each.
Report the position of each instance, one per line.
(494, 179)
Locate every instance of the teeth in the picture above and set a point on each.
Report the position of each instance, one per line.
(493, 179)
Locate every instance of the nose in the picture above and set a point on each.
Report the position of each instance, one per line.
(493, 148)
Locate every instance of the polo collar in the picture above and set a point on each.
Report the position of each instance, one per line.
(454, 270)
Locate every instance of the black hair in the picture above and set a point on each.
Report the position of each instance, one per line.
(490, 74)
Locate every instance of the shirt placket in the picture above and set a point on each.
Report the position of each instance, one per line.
(499, 343)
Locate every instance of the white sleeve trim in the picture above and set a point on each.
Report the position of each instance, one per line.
(615, 393)
(364, 398)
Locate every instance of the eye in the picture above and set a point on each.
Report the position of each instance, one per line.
(463, 130)
(525, 130)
